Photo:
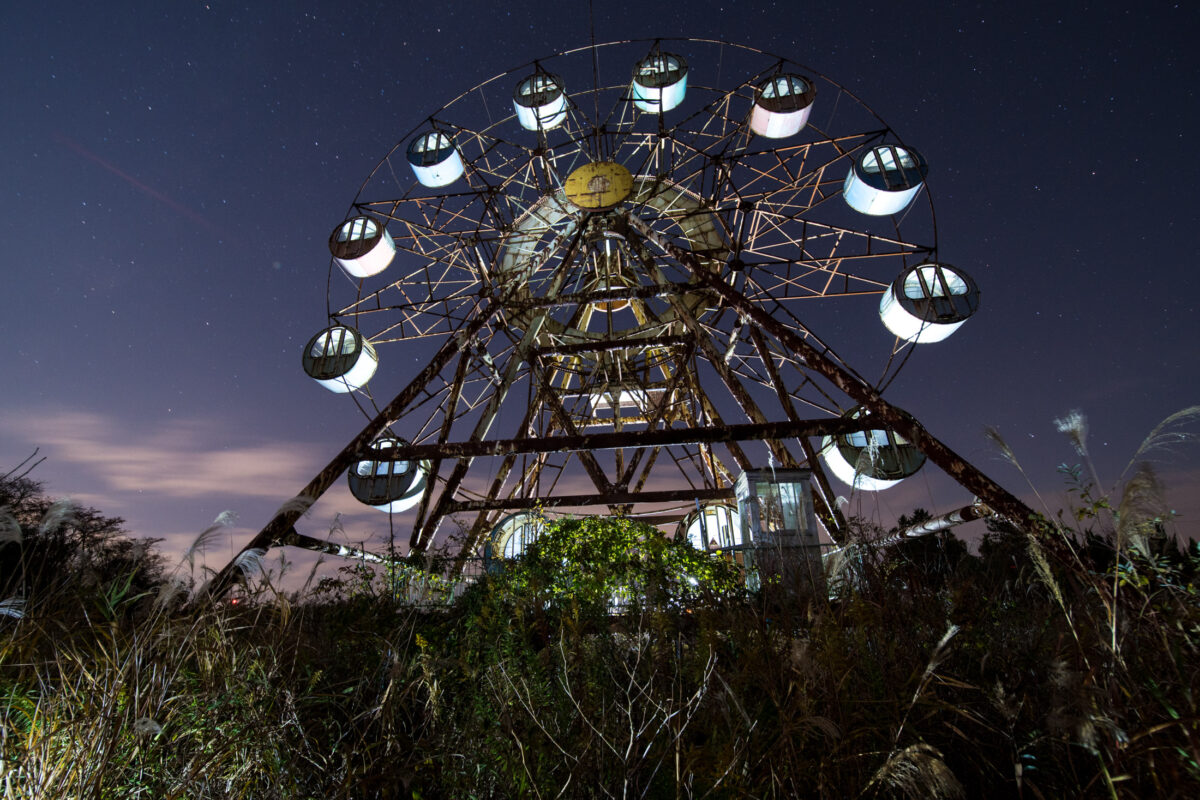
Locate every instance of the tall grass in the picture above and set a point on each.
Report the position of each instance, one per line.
(1015, 672)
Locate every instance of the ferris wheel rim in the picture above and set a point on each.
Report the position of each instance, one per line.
(359, 203)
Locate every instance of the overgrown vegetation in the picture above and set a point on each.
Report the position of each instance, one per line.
(610, 662)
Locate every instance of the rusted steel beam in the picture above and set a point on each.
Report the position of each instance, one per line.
(675, 383)
(744, 400)
(824, 500)
(598, 345)
(882, 412)
(563, 419)
(421, 536)
(602, 296)
(501, 477)
(943, 522)
(448, 409)
(286, 517)
(294, 539)
(666, 437)
(599, 499)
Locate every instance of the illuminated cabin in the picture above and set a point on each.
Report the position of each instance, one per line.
(540, 102)
(362, 247)
(340, 359)
(884, 180)
(659, 82)
(716, 526)
(386, 482)
(775, 509)
(434, 159)
(928, 302)
(782, 105)
(510, 536)
(873, 459)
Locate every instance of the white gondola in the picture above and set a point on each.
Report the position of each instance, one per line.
(715, 526)
(540, 102)
(782, 105)
(434, 159)
(884, 180)
(659, 82)
(928, 302)
(511, 535)
(362, 247)
(385, 482)
(340, 359)
(874, 459)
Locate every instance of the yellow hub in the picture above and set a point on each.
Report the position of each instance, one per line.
(598, 186)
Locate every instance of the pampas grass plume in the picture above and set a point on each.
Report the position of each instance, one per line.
(1163, 436)
(10, 529)
(1074, 425)
(208, 535)
(993, 436)
(60, 513)
(918, 771)
(297, 505)
(1141, 505)
(250, 562)
(144, 726)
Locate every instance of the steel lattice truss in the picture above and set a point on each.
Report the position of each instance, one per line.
(638, 356)
(598, 330)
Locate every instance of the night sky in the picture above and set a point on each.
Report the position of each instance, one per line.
(172, 172)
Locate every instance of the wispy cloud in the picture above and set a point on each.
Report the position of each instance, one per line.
(146, 473)
(179, 460)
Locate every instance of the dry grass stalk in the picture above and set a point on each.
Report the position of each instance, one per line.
(918, 772)
(1141, 507)
(12, 607)
(250, 561)
(992, 435)
(1166, 435)
(300, 504)
(208, 537)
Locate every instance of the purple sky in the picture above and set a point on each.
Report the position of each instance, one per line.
(172, 171)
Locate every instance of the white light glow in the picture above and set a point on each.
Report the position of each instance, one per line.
(925, 287)
(844, 471)
(866, 199)
(782, 92)
(393, 474)
(884, 180)
(360, 372)
(540, 103)
(372, 262)
(408, 499)
(778, 124)
(716, 528)
(435, 160)
(652, 92)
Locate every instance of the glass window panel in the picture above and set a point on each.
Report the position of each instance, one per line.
(356, 229)
(933, 282)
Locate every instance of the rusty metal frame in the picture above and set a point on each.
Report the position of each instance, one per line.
(727, 252)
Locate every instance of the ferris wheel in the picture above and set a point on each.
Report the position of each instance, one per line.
(571, 229)
(617, 277)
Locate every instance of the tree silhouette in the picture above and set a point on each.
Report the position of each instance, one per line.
(47, 545)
